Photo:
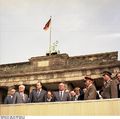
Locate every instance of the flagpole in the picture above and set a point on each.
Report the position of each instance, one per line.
(50, 36)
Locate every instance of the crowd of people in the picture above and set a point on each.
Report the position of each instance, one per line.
(110, 89)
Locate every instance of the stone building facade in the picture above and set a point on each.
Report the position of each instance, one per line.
(50, 70)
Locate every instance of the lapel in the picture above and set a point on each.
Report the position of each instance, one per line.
(38, 95)
(107, 84)
(63, 95)
(25, 97)
(10, 98)
(59, 98)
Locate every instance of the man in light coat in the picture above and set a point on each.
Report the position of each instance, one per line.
(117, 83)
(20, 96)
(109, 88)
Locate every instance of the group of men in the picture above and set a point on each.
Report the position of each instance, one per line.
(110, 89)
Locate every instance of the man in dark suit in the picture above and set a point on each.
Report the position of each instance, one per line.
(61, 95)
(90, 92)
(20, 97)
(9, 97)
(38, 94)
(109, 88)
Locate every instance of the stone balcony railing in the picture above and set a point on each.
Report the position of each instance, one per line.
(106, 107)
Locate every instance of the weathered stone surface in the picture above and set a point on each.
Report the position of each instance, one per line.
(57, 68)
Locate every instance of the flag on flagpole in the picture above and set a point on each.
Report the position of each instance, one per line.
(47, 25)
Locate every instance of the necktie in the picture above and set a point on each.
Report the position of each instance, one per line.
(38, 94)
(22, 95)
(61, 95)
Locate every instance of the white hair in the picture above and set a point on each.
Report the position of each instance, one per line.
(22, 86)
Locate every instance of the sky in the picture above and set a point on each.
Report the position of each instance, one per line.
(81, 27)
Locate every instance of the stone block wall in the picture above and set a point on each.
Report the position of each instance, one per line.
(59, 62)
(57, 68)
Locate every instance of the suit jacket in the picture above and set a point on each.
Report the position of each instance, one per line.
(49, 100)
(34, 97)
(72, 98)
(117, 88)
(109, 90)
(90, 93)
(81, 96)
(18, 98)
(8, 100)
(65, 97)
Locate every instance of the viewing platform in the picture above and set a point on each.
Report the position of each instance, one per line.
(101, 107)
